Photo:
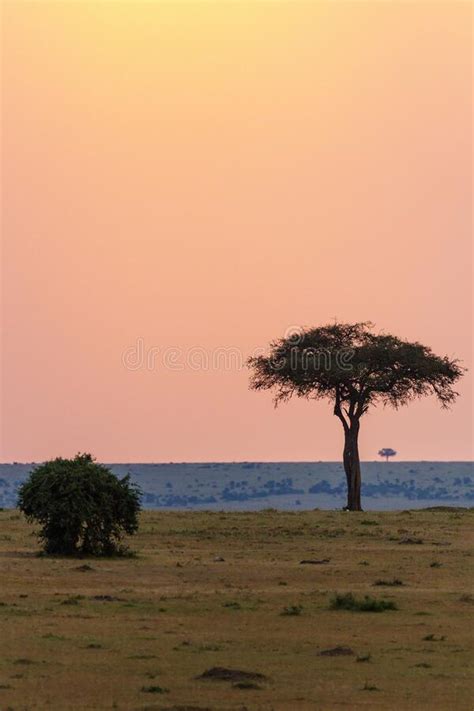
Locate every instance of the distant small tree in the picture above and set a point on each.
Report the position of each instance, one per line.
(355, 369)
(81, 505)
(387, 452)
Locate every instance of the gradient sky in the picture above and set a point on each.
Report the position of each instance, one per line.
(202, 175)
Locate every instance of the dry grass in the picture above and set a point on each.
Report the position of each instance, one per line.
(207, 591)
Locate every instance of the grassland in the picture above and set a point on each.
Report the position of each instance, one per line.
(230, 591)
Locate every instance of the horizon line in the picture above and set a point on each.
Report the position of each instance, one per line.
(261, 461)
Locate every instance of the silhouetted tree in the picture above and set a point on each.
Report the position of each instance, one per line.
(82, 506)
(354, 368)
(387, 452)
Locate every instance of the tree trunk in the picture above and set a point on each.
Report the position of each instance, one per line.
(352, 466)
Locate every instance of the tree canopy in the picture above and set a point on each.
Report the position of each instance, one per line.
(354, 365)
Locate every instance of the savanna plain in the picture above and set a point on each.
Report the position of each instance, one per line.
(244, 611)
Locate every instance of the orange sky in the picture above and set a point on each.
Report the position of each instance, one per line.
(203, 175)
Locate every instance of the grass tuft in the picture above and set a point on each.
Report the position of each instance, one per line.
(291, 611)
(396, 582)
(347, 601)
(370, 687)
(433, 638)
(232, 605)
(154, 689)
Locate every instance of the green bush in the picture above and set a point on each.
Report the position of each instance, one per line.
(81, 505)
(348, 601)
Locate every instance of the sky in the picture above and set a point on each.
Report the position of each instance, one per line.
(185, 181)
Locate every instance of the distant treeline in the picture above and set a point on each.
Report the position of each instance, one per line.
(187, 486)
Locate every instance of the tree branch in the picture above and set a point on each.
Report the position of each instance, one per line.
(338, 409)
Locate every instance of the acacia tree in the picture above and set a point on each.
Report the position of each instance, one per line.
(355, 369)
(387, 452)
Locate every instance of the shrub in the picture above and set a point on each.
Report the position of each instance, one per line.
(347, 601)
(81, 505)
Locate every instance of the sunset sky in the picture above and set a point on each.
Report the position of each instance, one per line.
(192, 176)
